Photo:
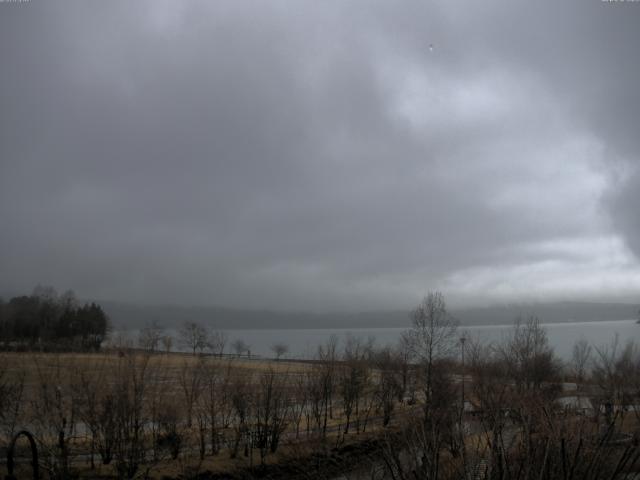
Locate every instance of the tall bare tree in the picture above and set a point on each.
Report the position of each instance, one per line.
(581, 356)
(432, 337)
(527, 354)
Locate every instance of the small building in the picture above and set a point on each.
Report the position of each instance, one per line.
(569, 387)
(578, 404)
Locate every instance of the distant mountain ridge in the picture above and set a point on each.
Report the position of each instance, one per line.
(125, 316)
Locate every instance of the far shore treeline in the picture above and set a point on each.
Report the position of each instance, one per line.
(47, 321)
(134, 316)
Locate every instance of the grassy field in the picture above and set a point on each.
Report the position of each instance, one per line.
(131, 414)
(61, 392)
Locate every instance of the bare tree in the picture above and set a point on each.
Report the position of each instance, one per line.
(211, 403)
(191, 379)
(279, 349)
(300, 400)
(150, 336)
(316, 397)
(416, 450)
(353, 379)
(580, 358)
(157, 397)
(240, 347)
(54, 412)
(527, 354)
(193, 336)
(68, 300)
(131, 381)
(389, 386)
(170, 437)
(327, 356)
(491, 392)
(218, 340)
(91, 390)
(11, 398)
(404, 355)
(271, 412)
(242, 402)
(432, 337)
(167, 343)
(617, 370)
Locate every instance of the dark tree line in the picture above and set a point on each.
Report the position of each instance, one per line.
(45, 319)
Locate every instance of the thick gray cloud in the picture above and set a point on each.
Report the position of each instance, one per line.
(319, 154)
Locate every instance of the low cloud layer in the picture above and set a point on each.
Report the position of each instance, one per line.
(320, 155)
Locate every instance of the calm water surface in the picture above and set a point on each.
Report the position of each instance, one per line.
(304, 343)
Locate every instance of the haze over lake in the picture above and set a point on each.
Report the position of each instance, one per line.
(303, 343)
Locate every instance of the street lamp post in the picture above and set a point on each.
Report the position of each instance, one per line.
(462, 340)
(462, 439)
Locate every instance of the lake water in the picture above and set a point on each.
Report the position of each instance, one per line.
(303, 343)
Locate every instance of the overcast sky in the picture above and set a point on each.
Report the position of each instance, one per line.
(321, 155)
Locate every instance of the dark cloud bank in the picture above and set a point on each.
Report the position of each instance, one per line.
(319, 155)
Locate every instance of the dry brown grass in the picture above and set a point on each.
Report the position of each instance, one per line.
(34, 366)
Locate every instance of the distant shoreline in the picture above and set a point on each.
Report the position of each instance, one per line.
(135, 316)
(399, 327)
